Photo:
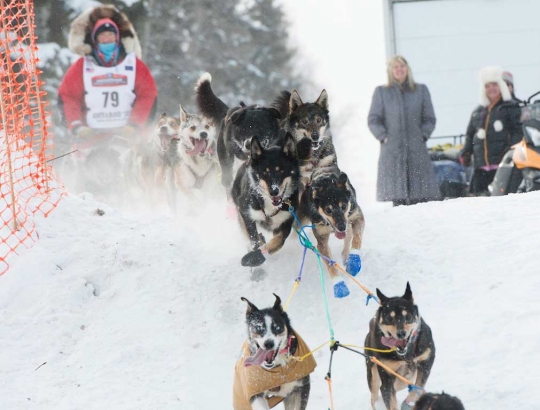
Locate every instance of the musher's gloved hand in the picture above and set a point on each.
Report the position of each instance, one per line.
(354, 263)
(127, 131)
(84, 132)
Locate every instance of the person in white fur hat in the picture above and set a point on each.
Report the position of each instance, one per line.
(493, 128)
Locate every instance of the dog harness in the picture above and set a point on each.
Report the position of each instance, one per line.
(109, 92)
(253, 380)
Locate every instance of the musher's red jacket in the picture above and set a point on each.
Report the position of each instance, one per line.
(71, 93)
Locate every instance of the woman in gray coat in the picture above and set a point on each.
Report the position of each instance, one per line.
(402, 119)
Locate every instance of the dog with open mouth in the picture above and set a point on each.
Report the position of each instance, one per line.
(310, 125)
(263, 189)
(265, 375)
(151, 163)
(329, 203)
(197, 151)
(397, 325)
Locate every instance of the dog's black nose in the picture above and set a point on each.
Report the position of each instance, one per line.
(341, 226)
(401, 334)
(204, 134)
(274, 191)
(269, 344)
(315, 136)
(163, 130)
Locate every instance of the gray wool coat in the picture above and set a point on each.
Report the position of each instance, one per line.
(406, 119)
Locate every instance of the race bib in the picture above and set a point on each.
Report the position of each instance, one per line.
(109, 92)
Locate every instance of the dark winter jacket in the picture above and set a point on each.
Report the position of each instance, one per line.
(405, 118)
(501, 127)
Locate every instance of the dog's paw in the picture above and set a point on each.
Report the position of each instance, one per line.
(354, 263)
(406, 406)
(253, 258)
(341, 290)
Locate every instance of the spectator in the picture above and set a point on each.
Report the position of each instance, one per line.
(443, 401)
(402, 119)
(493, 128)
(509, 80)
(109, 87)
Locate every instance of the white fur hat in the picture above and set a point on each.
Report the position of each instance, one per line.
(493, 75)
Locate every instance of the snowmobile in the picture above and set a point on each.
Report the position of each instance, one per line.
(519, 170)
(452, 177)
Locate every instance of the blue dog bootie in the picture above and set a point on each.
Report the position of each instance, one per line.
(354, 263)
(340, 288)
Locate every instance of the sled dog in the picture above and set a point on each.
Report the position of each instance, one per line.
(265, 375)
(310, 125)
(236, 126)
(397, 324)
(264, 188)
(329, 203)
(151, 163)
(197, 152)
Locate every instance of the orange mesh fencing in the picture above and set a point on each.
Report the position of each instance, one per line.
(27, 184)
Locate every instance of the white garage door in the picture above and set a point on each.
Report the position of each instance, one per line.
(447, 41)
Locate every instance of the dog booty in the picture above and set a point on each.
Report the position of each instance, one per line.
(481, 133)
(340, 288)
(406, 406)
(253, 258)
(354, 263)
(498, 126)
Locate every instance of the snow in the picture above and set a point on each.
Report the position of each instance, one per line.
(142, 311)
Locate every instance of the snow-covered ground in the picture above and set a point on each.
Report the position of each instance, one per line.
(141, 311)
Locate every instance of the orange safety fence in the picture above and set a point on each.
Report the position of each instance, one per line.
(28, 186)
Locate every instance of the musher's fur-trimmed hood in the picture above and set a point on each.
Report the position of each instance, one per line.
(493, 75)
(81, 30)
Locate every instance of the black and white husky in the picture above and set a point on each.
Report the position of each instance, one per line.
(271, 342)
(263, 189)
(309, 123)
(235, 127)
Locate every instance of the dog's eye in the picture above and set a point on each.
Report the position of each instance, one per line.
(278, 329)
(343, 207)
(328, 210)
(259, 329)
(207, 126)
(318, 120)
(304, 121)
(193, 128)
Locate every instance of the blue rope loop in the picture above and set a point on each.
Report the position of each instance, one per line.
(417, 389)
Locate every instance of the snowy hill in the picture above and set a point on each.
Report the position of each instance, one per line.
(141, 312)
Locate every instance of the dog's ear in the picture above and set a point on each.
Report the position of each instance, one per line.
(277, 304)
(183, 114)
(256, 148)
(381, 296)
(289, 146)
(322, 101)
(408, 294)
(275, 113)
(163, 115)
(238, 116)
(342, 180)
(295, 102)
(251, 307)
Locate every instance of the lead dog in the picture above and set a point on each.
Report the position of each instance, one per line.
(264, 374)
(398, 325)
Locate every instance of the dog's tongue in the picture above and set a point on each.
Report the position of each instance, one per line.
(257, 358)
(340, 235)
(391, 342)
(200, 145)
